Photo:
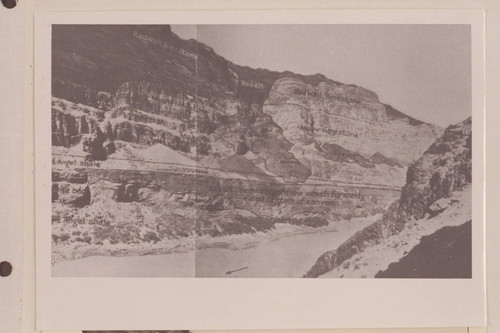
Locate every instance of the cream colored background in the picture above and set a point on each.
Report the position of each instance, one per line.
(110, 303)
(491, 117)
(11, 165)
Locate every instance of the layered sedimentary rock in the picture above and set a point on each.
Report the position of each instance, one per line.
(353, 124)
(154, 122)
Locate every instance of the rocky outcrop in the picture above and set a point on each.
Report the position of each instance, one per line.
(70, 187)
(355, 120)
(138, 133)
(67, 129)
(221, 206)
(241, 146)
(371, 134)
(263, 198)
(378, 158)
(71, 127)
(78, 93)
(334, 152)
(359, 242)
(155, 98)
(443, 169)
(438, 206)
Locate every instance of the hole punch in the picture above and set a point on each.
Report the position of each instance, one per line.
(5, 266)
(9, 3)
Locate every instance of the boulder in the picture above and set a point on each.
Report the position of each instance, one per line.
(104, 100)
(109, 147)
(77, 195)
(439, 205)
(128, 192)
(93, 144)
(104, 190)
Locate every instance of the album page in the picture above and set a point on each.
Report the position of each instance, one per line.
(259, 169)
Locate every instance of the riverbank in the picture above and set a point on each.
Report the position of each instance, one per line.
(377, 258)
(287, 253)
(276, 252)
(75, 251)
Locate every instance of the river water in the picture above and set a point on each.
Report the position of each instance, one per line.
(285, 257)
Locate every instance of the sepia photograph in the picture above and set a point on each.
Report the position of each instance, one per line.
(261, 151)
(235, 169)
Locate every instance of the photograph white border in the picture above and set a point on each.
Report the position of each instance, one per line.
(199, 303)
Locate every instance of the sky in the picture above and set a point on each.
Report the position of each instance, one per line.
(421, 70)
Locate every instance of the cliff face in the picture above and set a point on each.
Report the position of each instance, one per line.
(140, 98)
(150, 76)
(376, 141)
(353, 118)
(216, 206)
(437, 182)
(446, 166)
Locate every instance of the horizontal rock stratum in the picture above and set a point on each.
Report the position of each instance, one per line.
(157, 129)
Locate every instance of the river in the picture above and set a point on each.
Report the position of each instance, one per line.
(284, 257)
